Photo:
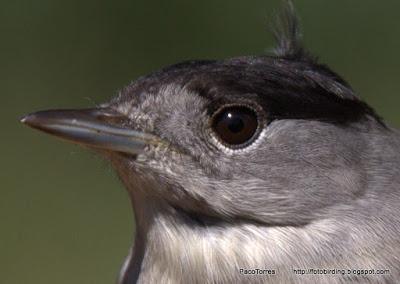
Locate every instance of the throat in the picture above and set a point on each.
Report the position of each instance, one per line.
(176, 246)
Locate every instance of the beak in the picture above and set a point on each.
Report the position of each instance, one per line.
(100, 128)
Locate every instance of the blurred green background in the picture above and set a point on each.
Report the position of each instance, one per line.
(65, 218)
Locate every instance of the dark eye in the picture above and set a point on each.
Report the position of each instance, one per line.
(235, 125)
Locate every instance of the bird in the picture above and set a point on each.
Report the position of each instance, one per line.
(252, 169)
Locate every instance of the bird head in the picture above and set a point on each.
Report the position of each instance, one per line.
(244, 138)
(270, 140)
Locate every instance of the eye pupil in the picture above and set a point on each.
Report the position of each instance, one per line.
(235, 123)
(235, 126)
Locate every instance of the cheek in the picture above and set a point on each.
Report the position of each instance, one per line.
(349, 181)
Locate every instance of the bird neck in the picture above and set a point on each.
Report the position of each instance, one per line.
(171, 248)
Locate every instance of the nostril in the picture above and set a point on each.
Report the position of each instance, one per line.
(110, 116)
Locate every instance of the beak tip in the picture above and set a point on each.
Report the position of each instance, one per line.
(28, 119)
(24, 119)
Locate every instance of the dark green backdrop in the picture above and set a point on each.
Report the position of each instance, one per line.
(65, 218)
